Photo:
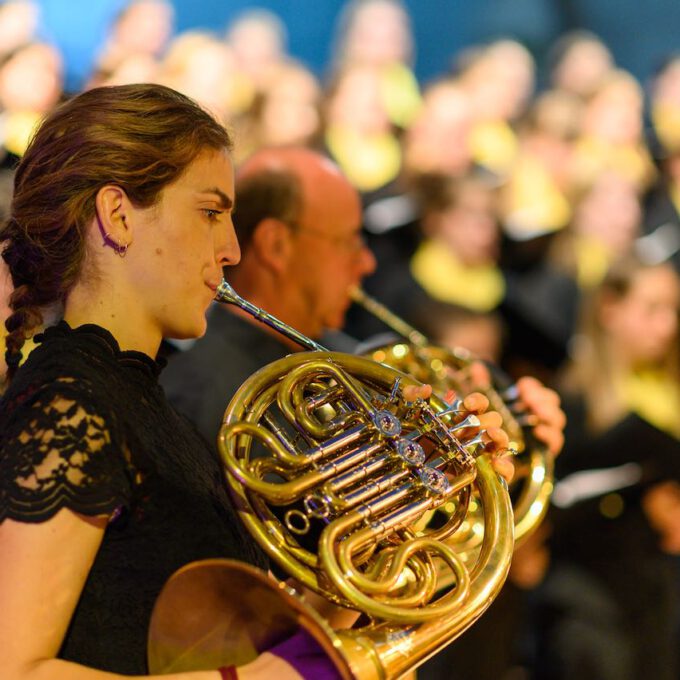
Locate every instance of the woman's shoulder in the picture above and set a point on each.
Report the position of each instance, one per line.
(59, 449)
(84, 362)
(61, 444)
(49, 378)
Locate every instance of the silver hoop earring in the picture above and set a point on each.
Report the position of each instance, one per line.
(120, 250)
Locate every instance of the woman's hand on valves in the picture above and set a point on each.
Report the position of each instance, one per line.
(494, 438)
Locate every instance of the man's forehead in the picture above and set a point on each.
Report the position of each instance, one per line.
(298, 161)
(328, 199)
(335, 203)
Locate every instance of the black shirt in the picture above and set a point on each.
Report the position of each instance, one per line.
(608, 539)
(86, 426)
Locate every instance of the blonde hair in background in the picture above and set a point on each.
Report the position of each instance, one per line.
(594, 370)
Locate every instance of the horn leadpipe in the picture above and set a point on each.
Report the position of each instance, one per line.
(388, 317)
(225, 293)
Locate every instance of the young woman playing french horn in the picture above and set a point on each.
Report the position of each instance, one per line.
(120, 227)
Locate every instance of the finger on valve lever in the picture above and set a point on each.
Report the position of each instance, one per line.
(504, 466)
(497, 446)
(490, 419)
(476, 402)
(415, 392)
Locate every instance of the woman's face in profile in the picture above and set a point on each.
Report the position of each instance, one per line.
(184, 241)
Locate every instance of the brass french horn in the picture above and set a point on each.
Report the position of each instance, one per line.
(331, 469)
(444, 368)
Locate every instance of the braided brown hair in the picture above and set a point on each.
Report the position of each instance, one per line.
(138, 137)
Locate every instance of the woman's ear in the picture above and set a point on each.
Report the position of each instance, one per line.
(272, 243)
(112, 207)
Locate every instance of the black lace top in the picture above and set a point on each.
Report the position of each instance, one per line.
(86, 426)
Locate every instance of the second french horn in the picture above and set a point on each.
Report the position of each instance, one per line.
(445, 369)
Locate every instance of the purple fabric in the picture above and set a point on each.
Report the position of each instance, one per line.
(306, 656)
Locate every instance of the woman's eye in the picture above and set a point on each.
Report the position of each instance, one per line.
(212, 214)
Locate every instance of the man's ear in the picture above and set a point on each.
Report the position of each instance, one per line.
(112, 207)
(272, 243)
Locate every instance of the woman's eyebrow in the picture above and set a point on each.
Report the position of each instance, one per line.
(226, 202)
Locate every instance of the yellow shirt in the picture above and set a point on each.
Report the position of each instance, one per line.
(666, 121)
(445, 278)
(595, 156)
(654, 397)
(592, 261)
(368, 162)
(494, 145)
(533, 202)
(400, 93)
(19, 128)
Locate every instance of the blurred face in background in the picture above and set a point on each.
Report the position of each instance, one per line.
(145, 27)
(31, 80)
(583, 66)
(666, 86)
(469, 228)
(290, 110)
(379, 33)
(201, 67)
(481, 335)
(439, 139)
(18, 22)
(610, 212)
(550, 133)
(258, 42)
(356, 102)
(614, 114)
(500, 81)
(642, 325)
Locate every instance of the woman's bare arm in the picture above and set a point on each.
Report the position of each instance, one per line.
(42, 573)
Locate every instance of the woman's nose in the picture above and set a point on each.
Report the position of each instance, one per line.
(227, 249)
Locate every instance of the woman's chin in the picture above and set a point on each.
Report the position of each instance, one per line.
(189, 330)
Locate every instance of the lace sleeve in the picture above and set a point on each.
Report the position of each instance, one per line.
(59, 451)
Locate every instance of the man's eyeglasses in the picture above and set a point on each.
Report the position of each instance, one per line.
(352, 243)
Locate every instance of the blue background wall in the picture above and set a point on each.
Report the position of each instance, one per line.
(638, 32)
